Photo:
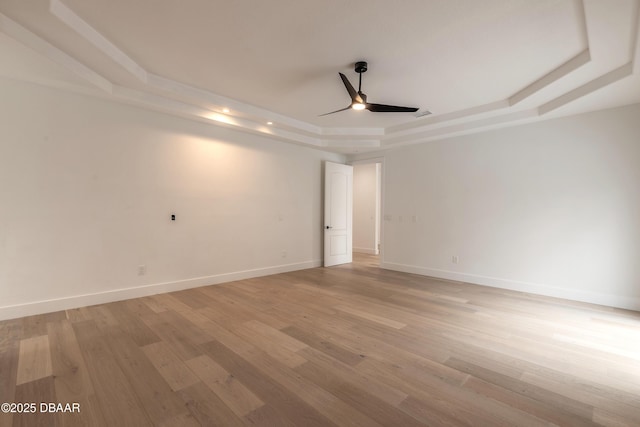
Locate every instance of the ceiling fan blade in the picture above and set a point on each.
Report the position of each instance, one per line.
(352, 92)
(382, 108)
(337, 111)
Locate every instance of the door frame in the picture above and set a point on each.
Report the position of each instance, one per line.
(382, 196)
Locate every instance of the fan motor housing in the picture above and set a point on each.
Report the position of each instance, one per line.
(361, 67)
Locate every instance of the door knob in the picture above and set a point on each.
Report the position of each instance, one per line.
(328, 227)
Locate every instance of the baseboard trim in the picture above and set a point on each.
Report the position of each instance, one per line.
(628, 303)
(365, 251)
(75, 301)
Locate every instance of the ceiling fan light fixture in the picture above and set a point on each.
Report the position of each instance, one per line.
(359, 99)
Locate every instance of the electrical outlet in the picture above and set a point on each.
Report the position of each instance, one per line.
(142, 270)
(283, 254)
(455, 259)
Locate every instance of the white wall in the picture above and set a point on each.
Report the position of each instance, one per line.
(550, 208)
(365, 200)
(87, 188)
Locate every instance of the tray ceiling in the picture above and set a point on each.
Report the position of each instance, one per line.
(473, 65)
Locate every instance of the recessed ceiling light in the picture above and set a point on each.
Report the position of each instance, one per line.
(269, 123)
(225, 110)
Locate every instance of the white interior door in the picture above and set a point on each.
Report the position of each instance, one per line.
(338, 213)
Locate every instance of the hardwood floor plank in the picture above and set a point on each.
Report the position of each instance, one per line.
(437, 396)
(119, 403)
(278, 338)
(90, 413)
(183, 420)
(357, 398)
(249, 300)
(553, 400)
(438, 415)
(35, 326)
(610, 419)
(230, 310)
(174, 371)
(422, 404)
(71, 377)
(221, 310)
(374, 343)
(37, 391)
(34, 360)
(78, 314)
(193, 300)
(207, 408)
(10, 333)
(227, 337)
(171, 327)
(285, 401)
(137, 307)
(348, 374)
(132, 324)
(171, 303)
(554, 412)
(372, 317)
(154, 393)
(8, 376)
(283, 354)
(231, 391)
(330, 348)
(586, 394)
(153, 304)
(102, 316)
(311, 312)
(325, 402)
(267, 416)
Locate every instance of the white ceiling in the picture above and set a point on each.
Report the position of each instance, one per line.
(474, 64)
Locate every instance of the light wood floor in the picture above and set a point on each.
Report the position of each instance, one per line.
(346, 346)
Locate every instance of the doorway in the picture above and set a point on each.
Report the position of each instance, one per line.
(367, 208)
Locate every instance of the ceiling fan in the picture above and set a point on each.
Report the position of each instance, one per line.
(359, 99)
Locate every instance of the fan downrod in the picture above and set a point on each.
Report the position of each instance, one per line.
(361, 67)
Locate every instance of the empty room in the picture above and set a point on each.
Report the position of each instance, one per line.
(320, 213)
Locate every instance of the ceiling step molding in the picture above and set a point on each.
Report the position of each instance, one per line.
(534, 101)
(592, 86)
(562, 71)
(32, 41)
(86, 31)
